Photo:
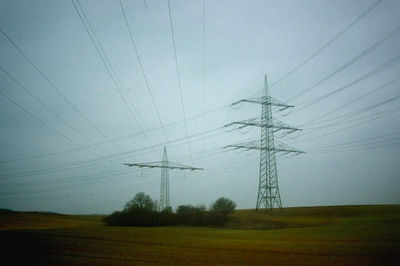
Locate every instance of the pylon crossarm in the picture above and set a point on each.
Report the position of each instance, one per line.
(244, 123)
(285, 149)
(140, 165)
(163, 165)
(173, 165)
(265, 100)
(276, 124)
(255, 145)
(148, 164)
(279, 125)
(251, 145)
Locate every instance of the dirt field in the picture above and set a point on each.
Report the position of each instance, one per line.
(343, 235)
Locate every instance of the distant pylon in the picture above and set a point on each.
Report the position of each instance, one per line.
(165, 165)
(164, 189)
(268, 189)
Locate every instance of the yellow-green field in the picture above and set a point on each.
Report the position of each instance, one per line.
(342, 235)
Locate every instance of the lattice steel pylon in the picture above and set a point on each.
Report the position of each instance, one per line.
(165, 166)
(268, 189)
(164, 188)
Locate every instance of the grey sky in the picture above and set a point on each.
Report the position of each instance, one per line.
(66, 151)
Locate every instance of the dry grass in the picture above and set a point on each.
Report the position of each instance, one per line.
(38, 220)
(345, 235)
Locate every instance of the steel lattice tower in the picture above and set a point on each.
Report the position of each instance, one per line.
(164, 189)
(165, 166)
(268, 189)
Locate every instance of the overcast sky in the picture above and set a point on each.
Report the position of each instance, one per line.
(81, 94)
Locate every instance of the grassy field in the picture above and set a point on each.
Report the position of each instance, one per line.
(340, 235)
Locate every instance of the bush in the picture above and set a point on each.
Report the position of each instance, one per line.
(220, 210)
(224, 206)
(189, 215)
(142, 211)
(116, 218)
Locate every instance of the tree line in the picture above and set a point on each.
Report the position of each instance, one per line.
(143, 211)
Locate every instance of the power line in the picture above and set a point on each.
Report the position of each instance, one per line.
(40, 121)
(93, 177)
(366, 120)
(325, 29)
(350, 62)
(326, 45)
(350, 115)
(360, 143)
(204, 65)
(82, 180)
(179, 76)
(53, 86)
(91, 162)
(231, 167)
(353, 101)
(113, 157)
(368, 146)
(96, 43)
(119, 138)
(392, 62)
(142, 70)
(227, 170)
(48, 108)
(114, 139)
(346, 119)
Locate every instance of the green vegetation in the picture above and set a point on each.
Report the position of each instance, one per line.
(142, 211)
(338, 235)
(141, 201)
(223, 206)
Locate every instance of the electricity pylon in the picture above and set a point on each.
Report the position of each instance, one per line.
(268, 189)
(165, 165)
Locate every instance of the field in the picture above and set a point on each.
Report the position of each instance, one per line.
(338, 235)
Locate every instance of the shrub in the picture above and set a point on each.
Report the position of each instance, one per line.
(220, 210)
(190, 215)
(224, 206)
(142, 211)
